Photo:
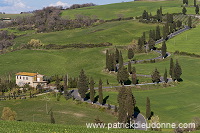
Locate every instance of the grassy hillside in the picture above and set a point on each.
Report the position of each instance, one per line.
(65, 112)
(24, 127)
(178, 103)
(186, 42)
(118, 33)
(13, 16)
(129, 9)
(71, 61)
(172, 104)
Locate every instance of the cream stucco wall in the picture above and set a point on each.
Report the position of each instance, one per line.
(22, 80)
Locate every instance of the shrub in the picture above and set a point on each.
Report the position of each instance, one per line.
(8, 114)
(34, 43)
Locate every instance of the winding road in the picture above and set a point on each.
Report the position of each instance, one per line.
(140, 118)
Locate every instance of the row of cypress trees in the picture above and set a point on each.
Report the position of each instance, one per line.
(84, 85)
(175, 72)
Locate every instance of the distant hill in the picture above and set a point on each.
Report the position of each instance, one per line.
(127, 9)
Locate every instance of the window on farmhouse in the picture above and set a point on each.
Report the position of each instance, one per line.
(23, 78)
(26, 78)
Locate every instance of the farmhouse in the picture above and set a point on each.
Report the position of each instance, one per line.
(32, 79)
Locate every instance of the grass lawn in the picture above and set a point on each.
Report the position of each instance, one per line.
(172, 104)
(188, 41)
(129, 9)
(118, 33)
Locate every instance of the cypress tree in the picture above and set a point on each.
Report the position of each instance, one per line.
(164, 49)
(179, 23)
(158, 36)
(184, 10)
(186, 2)
(66, 93)
(122, 75)
(52, 118)
(156, 76)
(171, 28)
(117, 55)
(164, 33)
(116, 109)
(57, 82)
(100, 92)
(121, 60)
(130, 103)
(140, 45)
(110, 62)
(167, 28)
(148, 108)
(171, 69)
(114, 63)
(197, 9)
(165, 76)
(121, 98)
(195, 3)
(190, 22)
(133, 70)
(107, 59)
(130, 53)
(129, 67)
(158, 15)
(174, 26)
(151, 43)
(177, 71)
(65, 83)
(126, 102)
(168, 18)
(161, 12)
(150, 34)
(134, 78)
(144, 16)
(82, 84)
(154, 35)
(92, 91)
(144, 37)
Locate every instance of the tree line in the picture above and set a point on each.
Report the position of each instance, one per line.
(175, 72)
(6, 39)
(75, 6)
(49, 19)
(114, 62)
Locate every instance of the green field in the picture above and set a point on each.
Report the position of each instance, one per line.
(186, 42)
(24, 127)
(65, 112)
(13, 16)
(129, 9)
(71, 61)
(172, 104)
(118, 33)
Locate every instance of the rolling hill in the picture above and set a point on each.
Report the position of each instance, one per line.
(129, 9)
(177, 103)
